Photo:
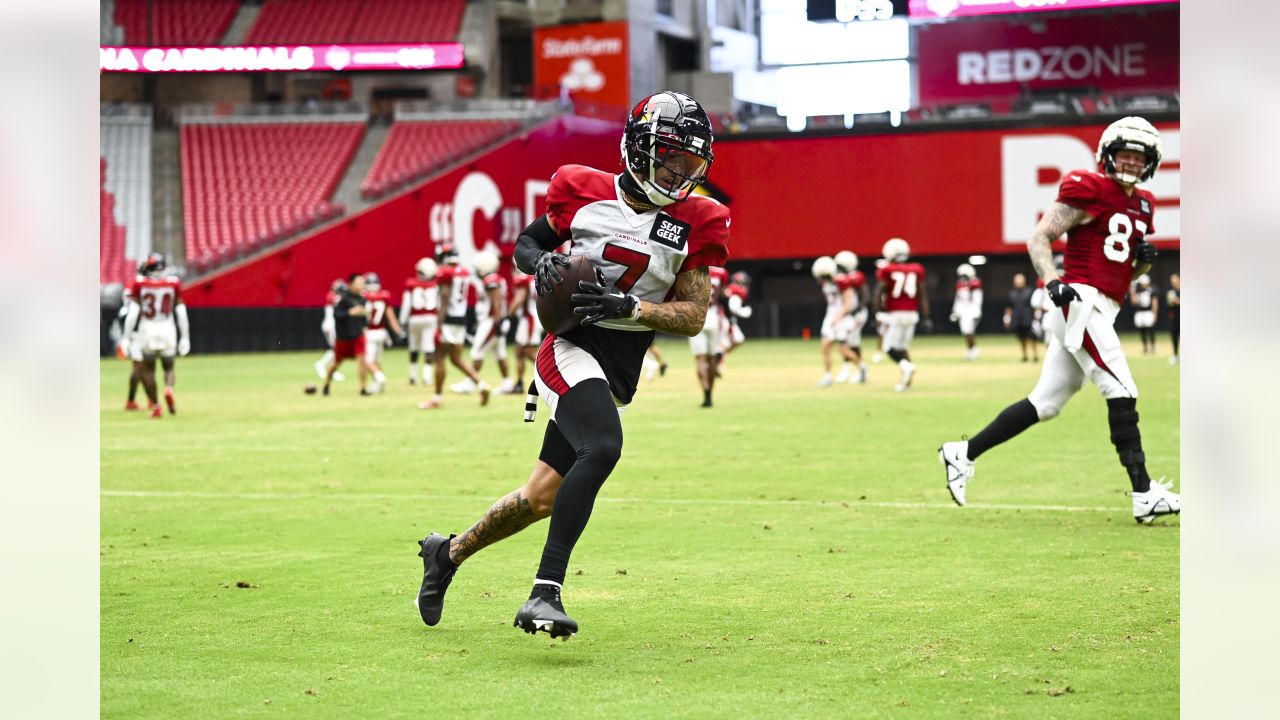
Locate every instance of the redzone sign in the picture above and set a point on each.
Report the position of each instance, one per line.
(972, 60)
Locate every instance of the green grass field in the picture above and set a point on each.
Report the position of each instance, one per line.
(792, 552)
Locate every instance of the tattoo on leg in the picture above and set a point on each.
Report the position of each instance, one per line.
(508, 516)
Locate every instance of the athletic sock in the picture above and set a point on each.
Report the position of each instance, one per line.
(1011, 421)
(549, 591)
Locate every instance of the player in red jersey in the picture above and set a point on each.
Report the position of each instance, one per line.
(491, 310)
(1106, 218)
(735, 295)
(528, 331)
(379, 318)
(966, 308)
(157, 328)
(847, 265)
(652, 240)
(838, 320)
(904, 299)
(419, 305)
(455, 282)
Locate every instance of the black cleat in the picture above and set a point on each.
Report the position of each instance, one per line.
(540, 614)
(435, 577)
(662, 370)
(326, 390)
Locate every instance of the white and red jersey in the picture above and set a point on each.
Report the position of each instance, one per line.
(458, 280)
(1100, 252)
(377, 304)
(638, 252)
(856, 280)
(156, 297)
(968, 299)
(421, 297)
(833, 291)
(719, 277)
(484, 307)
(902, 283)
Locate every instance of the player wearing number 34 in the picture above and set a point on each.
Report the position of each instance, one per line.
(1105, 217)
(651, 241)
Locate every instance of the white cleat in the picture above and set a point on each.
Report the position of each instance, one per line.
(877, 358)
(955, 458)
(825, 381)
(463, 387)
(844, 375)
(1173, 359)
(1158, 500)
(908, 371)
(321, 370)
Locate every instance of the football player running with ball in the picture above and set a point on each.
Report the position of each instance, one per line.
(1106, 218)
(650, 238)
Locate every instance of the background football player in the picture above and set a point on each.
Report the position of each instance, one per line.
(847, 264)
(327, 329)
(419, 306)
(378, 316)
(966, 308)
(124, 339)
(904, 299)
(527, 334)
(1145, 299)
(655, 244)
(157, 328)
(735, 295)
(1106, 218)
(706, 344)
(837, 321)
(654, 363)
(349, 312)
(455, 282)
(491, 309)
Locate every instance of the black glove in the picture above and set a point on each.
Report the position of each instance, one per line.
(597, 302)
(926, 324)
(545, 274)
(1145, 253)
(1061, 294)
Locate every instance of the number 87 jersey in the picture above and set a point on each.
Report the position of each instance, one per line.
(1100, 252)
(638, 252)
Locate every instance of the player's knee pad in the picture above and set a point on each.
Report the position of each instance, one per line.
(1045, 409)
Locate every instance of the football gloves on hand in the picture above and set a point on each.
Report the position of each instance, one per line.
(1061, 294)
(597, 302)
(545, 273)
(184, 346)
(1145, 253)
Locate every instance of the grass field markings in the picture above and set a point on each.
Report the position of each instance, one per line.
(891, 505)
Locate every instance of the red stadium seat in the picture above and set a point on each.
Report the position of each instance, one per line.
(356, 21)
(248, 185)
(175, 22)
(414, 149)
(113, 267)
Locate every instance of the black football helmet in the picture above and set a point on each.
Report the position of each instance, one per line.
(152, 266)
(667, 131)
(446, 254)
(740, 278)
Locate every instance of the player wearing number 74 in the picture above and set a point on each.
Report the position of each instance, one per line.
(652, 241)
(1106, 218)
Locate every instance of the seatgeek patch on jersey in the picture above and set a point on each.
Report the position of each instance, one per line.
(670, 232)
(1146, 206)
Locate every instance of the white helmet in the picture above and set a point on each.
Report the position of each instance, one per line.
(1144, 279)
(966, 271)
(846, 261)
(896, 250)
(426, 268)
(824, 267)
(485, 262)
(1129, 133)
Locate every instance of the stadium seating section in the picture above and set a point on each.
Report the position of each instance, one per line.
(414, 149)
(248, 185)
(126, 194)
(113, 267)
(356, 21)
(174, 22)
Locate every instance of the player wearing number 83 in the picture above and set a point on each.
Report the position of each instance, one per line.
(1106, 218)
(652, 241)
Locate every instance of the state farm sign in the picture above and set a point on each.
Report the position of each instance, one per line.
(587, 61)
(963, 61)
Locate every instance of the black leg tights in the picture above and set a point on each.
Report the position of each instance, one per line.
(587, 419)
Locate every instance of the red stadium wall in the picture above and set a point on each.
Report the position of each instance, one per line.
(490, 199)
(948, 193)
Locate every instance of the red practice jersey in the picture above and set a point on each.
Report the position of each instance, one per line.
(638, 252)
(1100, 252)
(157, 297)
(902, 283)
(458, 279)
(422, 296)
(492, 281)
(530, 304)
(377, 303)
(735, 289)
(965, 288)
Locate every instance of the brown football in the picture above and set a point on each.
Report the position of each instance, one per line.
(555, 310)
